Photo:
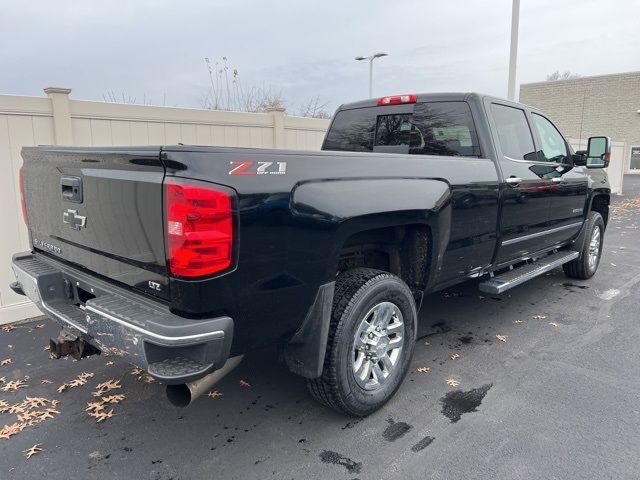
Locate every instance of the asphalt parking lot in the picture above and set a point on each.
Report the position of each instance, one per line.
(557, 399)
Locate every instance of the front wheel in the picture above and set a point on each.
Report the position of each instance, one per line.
(371, 341)
(586, 264)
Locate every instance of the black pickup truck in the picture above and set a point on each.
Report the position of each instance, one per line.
(183, 258)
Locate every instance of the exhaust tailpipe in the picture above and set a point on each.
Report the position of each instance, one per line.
(183, 394)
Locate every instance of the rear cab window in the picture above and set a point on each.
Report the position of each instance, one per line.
(426, 128)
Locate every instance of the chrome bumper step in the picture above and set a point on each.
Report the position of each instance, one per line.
(503, 282)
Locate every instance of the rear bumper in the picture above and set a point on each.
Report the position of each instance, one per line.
(171, 348)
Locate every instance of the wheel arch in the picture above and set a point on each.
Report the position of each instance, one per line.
(600, 203)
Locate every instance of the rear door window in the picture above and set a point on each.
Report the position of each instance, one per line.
(514, 135)
(433, 128)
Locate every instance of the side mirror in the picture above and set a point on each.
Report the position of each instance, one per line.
(579, 158)
(598, 152)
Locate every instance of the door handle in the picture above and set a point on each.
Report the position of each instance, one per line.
(558, 180)
(513, 181)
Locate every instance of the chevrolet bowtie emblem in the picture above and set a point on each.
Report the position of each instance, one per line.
(74, 220)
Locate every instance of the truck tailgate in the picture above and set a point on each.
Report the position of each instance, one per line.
(100, 209)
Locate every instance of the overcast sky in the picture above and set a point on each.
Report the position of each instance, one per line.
(155, 49)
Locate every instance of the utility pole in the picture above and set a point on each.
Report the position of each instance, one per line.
(513, 53)
(371, 58)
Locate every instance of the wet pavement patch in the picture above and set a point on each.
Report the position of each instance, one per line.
(466, 339)
(395, 430)
(571, 286)
(456, 403)
(351, 423)
(327, 456)
(422, 444)
(441, 326)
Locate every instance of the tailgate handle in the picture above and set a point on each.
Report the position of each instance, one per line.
(71, 188)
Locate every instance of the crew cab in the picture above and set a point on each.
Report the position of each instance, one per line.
(181, 258)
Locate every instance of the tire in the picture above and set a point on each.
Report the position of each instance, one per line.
(585, 266)
(364, 298)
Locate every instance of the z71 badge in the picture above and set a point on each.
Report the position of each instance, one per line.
(243, 167)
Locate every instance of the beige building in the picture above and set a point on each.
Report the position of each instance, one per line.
(587, 106)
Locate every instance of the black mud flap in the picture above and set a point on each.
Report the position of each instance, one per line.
(304, 353)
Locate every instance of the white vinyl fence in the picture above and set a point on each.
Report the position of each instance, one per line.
(58, 120)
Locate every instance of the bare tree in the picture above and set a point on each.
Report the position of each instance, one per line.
(226, 92)
(261, 99)
(314, 108)
(566, 75)
(112, 97)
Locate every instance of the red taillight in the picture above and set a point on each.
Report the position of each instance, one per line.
(397, 100)
(23, 204)
(199, 229)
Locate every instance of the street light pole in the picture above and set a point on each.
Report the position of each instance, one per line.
(371, 58)
(513, 52)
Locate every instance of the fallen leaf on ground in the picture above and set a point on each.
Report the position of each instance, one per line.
(539, 317)
(553, 324)
(502, 338)
(76, 382)
(244, 383)
(40, 325)
(27, 416)
(214, 394)
(113, 398)
(452, 382)
(455, 356)
(30, 452)
(46, 381)
(6, 361)
(8, 328)
(46, 348)
(17, 408)
(148, 378)
(104, 387)
(94, 406)
(518, 321)
(102, 415)
(46, 414)
(14, 385)
(3, 379)
(136, 372)
(8, 430)
(35, 402)
(110, 362)
(423, 369)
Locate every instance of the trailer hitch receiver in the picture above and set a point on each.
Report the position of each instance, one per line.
(68, 343)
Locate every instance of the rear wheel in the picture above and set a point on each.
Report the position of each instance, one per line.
(370, 344)
(586, 265)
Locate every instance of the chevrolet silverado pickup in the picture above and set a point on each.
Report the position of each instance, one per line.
(181, 259)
